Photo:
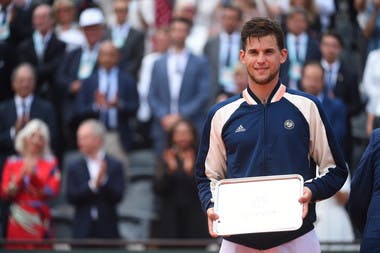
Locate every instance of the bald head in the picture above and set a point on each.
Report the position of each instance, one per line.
(108, 55)
(23, 80)
(43, 18)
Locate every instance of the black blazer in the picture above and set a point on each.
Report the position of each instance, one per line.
(47, 68)
(132, 52)
(40, 109)
(105, 199)
(347, 89)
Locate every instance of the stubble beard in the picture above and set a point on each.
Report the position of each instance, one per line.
(263, 81)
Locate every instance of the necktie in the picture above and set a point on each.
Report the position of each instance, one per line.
(228, 57)
(23, 109)
(104, 111)
(297, 47)
(329, 79)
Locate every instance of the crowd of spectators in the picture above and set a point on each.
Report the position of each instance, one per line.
(147, 70)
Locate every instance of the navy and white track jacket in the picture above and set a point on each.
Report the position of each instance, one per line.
(289, 135)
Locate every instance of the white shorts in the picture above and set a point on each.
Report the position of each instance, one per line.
(306, 243)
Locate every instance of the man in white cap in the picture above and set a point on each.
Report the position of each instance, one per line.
(78, 65)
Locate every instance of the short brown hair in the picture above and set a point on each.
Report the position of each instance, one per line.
(260, 27)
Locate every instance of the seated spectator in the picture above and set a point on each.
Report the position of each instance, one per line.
(363, 203)
(28, 181)
(180, 215)
(95, 185)
(66, 27)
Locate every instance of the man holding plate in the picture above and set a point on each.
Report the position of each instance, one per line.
(269, 130)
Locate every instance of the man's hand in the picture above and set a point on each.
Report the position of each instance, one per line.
(100, 99)
(168, 121)
(305, 200)
(102, 174)
(75, 86)
(211, 217)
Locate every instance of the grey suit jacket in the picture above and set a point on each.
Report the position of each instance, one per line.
(211, 51)
(194, 97)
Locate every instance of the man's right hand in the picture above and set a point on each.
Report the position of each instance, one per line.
(211, 217)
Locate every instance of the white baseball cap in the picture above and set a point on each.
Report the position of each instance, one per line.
(91, 16)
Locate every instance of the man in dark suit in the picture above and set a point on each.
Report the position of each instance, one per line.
(44, 51)
(95, 184)
(222, 51)
(16, 112)
(76, 66)
(180, 86)
(110, 95)
(300, 45)
(342, 82)
(129, 40)
(313, 82)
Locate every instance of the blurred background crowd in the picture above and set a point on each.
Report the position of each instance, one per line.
(102, 103)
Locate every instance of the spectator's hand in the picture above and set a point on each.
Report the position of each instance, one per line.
(305, 200)
(100, 99)
(75, 86)
(170, 160)
(188, 161)
(211, 217)
(29, 166)
(168, 121)
(114, 102)
(102, 174)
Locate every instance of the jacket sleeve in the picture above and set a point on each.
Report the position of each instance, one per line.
(363, 181)
(211, 161)
(78, 190)
(326, 153)
(203, 97)
(113, 189)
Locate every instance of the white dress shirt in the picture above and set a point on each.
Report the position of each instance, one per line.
(331, 73)
(229, 44)
(23, 106)
(108, 85)
(176, 68)
(144, 113)
(87, 60)
(40, 43)
(371, 82)
(120, 33)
